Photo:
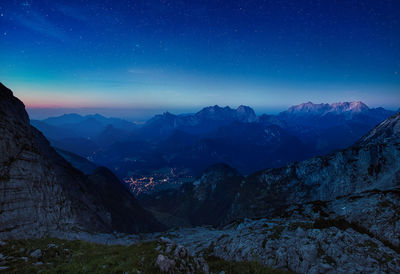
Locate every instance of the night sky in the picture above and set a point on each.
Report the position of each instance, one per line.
(139, 57)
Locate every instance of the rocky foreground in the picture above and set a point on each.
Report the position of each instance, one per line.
(300, 244)
(352, 234)
(161, 255)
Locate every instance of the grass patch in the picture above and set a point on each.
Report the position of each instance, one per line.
(79, 257)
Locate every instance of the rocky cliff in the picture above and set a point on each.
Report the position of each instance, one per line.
(372, 163)
(40, 193)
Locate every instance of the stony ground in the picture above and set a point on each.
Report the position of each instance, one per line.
(52, 255)
(335, 237)
(353, 234)
(293, 245)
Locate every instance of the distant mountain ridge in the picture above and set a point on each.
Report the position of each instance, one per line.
(77, 126)
(247, 115)
(241, 114)
(192, 142)
(322, 109)
(73, 118)
(203, 121)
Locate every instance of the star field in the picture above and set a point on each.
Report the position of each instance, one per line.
(185, 54)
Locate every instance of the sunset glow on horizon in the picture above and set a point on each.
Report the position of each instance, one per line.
(181, 56)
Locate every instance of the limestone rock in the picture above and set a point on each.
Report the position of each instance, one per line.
(36, 254)
(165, 264)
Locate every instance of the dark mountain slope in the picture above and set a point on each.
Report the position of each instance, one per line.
(81, 146)
(53, 132)
(206, 201)
(42, 193)
(77, 161)
(77, 126)
(125, 214)
(111, 135)
(372, 163)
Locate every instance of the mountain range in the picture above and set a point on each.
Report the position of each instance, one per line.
(190, 143)
(331, 213)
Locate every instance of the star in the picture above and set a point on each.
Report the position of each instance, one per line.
(25, 4)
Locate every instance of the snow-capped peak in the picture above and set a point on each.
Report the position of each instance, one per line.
(356, 106)
(321, 109)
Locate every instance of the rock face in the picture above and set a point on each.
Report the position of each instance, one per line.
(372, 163)
(386, 132)
(301, 246)
(175, 258)
(40, 193)
(352, 234)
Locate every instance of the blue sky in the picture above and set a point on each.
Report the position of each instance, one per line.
(152, 56)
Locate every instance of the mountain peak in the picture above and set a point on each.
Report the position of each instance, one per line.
(98, 116)
(213, 108)
(67, 116)
(242, 113)
(12, 105)
(215, 112)
(5, 91)
(243, 108)
(168, 114)
(356, 106)
(321, 109)
(160, 118)
(309, 107)
(246, 113)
